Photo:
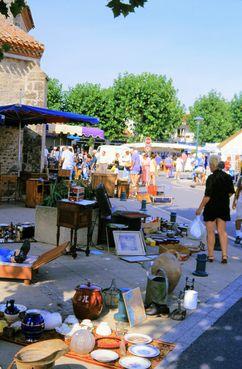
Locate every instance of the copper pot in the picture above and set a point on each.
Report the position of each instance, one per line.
(87, 301)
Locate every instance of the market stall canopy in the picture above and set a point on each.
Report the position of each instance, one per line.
(73, 132)
(15, 114)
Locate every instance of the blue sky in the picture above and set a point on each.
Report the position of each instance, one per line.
(197, 43)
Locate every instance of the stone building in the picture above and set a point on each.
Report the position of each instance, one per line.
(21, 81)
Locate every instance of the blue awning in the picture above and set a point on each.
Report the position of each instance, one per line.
(27, 114)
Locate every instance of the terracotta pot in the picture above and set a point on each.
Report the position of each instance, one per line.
(87, 301)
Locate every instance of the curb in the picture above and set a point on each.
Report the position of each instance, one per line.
(186, 332)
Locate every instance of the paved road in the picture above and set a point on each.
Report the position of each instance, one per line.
(219, 347)
(187, 199)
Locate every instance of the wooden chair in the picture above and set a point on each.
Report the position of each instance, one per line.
(25, 271)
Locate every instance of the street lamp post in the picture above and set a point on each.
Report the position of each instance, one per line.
(198, 120)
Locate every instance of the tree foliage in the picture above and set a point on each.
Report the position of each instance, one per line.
(123, 7)
(147, 99)
(236, 111)
(215, 110)
(150, 101)
(91, 99)
(55, 95)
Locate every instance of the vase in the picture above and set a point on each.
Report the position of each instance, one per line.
(32, 326)
(87, 301)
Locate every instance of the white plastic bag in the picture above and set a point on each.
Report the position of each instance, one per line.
(197, 228)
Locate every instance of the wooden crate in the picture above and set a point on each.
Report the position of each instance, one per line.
(64, 173)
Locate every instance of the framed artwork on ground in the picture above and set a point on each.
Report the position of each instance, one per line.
(135, 307)
(129, 242)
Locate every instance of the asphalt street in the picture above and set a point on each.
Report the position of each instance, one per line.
(187, 200)
(219, 347)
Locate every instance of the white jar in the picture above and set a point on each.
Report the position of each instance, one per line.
(103, 329)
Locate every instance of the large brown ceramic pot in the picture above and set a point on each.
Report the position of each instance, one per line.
(87, 301)
(169, 263)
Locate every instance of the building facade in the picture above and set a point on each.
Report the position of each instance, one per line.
(21, 81)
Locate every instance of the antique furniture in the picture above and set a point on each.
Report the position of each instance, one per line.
(107, 179)
(64, 173)
(26, 270)
(36, 189)
(8, 187)
(132, 219)
(75, 215)
(122, 186)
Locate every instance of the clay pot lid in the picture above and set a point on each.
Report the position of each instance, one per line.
(88, 286)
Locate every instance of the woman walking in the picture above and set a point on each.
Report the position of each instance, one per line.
(215, 207)
(153, 170)
(145, 163)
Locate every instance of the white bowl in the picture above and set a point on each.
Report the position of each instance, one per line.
(11, 318)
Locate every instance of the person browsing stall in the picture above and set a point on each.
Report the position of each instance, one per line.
(215, 207)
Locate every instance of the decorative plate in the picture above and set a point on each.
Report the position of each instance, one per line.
(137, 338)
(132, 362)
(144, 350)
(104, 356)
(20, 307)
(108, 342)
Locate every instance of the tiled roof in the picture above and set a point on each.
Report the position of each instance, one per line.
(20, 42)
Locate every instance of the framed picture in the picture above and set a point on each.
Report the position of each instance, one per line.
(129, 243)
(134, 307)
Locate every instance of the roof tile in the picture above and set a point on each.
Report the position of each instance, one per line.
(20, 42)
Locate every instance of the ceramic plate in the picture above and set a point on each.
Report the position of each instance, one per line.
(20, 307)
(137, 338)
(104, 356)
(144, 350)
(132, 362)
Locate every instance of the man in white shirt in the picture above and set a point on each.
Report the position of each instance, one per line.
(68, 160)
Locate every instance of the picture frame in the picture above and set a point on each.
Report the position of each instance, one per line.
(129, 243)
(134, 306)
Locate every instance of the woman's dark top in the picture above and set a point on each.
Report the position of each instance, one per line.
(218, 187)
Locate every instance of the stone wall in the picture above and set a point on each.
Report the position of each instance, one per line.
(16, 76)
(21, 75)
(31, 151)
(9, 138)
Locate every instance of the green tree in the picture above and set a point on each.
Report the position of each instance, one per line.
(215, 110)
(236, 111)
(55, 95)
(91, 99)
(150, 101)
(124, 7)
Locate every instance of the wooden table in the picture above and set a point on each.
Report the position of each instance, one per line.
(75, 215)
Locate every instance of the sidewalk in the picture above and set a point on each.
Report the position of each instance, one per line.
(56, 282)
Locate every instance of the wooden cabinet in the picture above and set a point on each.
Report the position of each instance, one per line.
(108, 180)
(74, 215)
(35, 191)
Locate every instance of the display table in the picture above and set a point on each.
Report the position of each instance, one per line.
(75, 215)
